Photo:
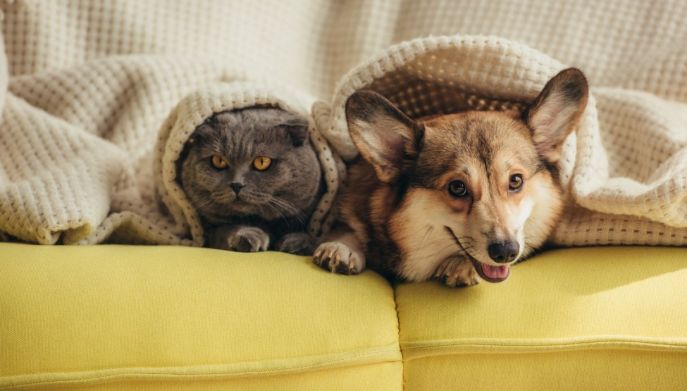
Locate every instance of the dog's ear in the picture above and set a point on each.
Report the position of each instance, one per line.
(385, 137)
(556, 112)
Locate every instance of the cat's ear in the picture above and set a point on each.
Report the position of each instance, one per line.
(556, 112)
(297, 128)
(204, 131)
(383, 134)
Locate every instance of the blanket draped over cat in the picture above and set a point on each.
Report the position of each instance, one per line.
(97, 101)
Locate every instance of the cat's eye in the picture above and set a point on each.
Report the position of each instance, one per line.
(262, 163)
(457, 189)
(515, 183)
(218, 162)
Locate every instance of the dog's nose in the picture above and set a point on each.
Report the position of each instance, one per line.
(503, 252)
(236, 186)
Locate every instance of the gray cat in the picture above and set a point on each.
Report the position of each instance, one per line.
(254, 178)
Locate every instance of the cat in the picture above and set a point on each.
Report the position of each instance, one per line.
(254, 178)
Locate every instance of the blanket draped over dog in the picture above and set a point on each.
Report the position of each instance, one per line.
(98, 98)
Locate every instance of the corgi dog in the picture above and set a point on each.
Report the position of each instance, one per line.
(454, 197)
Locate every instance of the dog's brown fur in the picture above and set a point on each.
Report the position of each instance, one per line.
(398, 213)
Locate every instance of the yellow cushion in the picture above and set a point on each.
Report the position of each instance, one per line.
(595, 318)
(174, 317)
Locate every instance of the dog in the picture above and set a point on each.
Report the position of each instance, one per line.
(454, 197)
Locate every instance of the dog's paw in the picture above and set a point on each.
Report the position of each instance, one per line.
(248, 239)
(339, 258)
(296, 243)
(454, 272)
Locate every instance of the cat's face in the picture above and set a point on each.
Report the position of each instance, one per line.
(251, 162)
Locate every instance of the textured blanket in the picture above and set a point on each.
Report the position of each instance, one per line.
(97, 99)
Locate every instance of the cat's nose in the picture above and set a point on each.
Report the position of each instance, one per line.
(236, 186)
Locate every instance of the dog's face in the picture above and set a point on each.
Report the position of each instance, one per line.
(479, 182)
(489, 189)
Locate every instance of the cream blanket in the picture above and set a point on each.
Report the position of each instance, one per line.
(97, 99)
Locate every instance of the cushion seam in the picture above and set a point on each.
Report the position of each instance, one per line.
(485, 345)
(398, 331)
(378, 355)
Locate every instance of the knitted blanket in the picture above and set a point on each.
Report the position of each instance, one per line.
(97, 99)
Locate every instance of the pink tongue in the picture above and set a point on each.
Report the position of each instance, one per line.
(496, 272)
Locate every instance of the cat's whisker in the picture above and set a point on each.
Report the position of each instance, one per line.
(223, 197)
(275, 206)
(288, 207)
(204, 202)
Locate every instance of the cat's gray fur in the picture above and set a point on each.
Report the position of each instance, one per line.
(273, 207)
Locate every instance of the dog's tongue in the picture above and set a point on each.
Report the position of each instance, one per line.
(496, 273)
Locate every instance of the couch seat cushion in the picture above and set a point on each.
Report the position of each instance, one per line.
(593, 318)
(174, 317)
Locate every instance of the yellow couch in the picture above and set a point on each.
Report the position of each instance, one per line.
(131, 317)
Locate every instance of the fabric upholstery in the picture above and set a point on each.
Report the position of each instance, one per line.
(127, 317)
(170, 316)
(592, 318)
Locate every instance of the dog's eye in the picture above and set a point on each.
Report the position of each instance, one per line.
(218, 162)
(515, 183)
(457, 189)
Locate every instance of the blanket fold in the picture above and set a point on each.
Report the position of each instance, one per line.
(193, 110)
(96, 101)
(624, 169)
(79, 163)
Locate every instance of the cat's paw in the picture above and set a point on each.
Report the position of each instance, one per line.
(456, 271)
(248, 239)
(339, 258)
(296, 243)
